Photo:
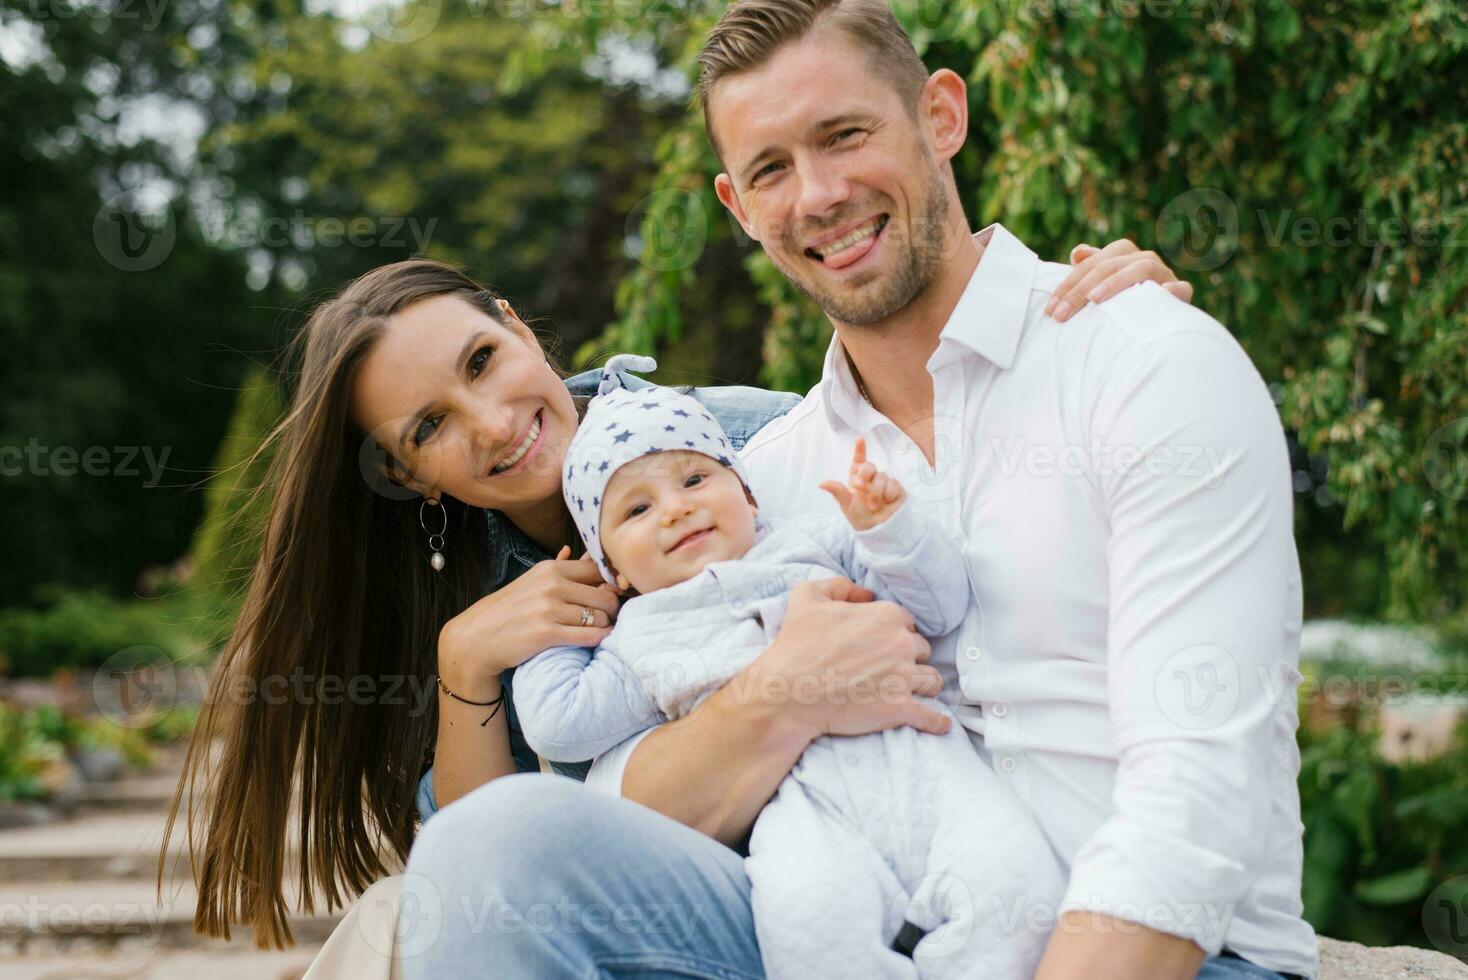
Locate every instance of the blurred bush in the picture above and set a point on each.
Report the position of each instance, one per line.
(83, 629)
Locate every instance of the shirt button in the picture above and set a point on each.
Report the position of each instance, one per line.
(1007, 763)
(998, 710)
(973, 653)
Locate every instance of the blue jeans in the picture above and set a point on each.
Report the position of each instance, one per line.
(535, 876)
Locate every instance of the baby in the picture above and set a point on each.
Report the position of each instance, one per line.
(866, 832)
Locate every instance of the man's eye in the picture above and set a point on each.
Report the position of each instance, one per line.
(843, 134)
(480, 359)
(766, 170)
(425, 430)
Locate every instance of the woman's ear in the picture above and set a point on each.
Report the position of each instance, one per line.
(399, 476)
(507, 309)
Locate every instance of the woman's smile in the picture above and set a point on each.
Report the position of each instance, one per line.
(520, 456)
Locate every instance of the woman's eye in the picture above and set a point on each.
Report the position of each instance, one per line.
(425, 430)
(478, 362)
(843, 134)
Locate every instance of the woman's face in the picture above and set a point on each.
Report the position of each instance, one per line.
(468, 406)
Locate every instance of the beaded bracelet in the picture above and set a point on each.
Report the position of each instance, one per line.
(497, 703)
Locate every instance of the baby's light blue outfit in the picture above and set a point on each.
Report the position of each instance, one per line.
(866, 831)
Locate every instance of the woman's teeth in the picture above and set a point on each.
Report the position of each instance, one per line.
(521, 449)
(866, 231)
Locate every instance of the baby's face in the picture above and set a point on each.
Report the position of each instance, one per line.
(666, 516)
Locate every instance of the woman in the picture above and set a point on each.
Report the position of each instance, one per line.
(405, 570)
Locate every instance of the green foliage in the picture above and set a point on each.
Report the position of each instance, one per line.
(1378, 837)
(35, 740)
(84, 629)
(475, 143)
(29, 743)
(236, 504)
(99, 355)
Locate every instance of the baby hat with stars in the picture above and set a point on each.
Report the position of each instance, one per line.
(622, 425)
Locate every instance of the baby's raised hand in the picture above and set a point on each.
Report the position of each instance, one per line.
(871, 497)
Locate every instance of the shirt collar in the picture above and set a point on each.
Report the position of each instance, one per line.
(988, 321)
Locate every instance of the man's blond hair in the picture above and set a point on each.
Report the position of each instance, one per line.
(751, 31)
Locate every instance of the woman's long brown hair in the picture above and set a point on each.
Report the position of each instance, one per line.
(342, 590)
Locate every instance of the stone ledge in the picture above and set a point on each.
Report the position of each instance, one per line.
(1352, 961)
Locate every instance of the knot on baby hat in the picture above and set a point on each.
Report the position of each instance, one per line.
(622, 425)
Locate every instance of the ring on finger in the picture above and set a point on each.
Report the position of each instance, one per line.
(587, 617)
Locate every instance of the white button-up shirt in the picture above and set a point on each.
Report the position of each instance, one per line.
(1128, 663)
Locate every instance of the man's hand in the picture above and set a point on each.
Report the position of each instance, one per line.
(1102, 273)
(845, 665)
(871, 497)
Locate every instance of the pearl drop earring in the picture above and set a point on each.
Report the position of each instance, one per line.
(435, 541)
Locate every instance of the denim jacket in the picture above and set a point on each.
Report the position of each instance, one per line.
(741, 410)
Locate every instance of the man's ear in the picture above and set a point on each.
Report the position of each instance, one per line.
(943, 111)
(724, 187)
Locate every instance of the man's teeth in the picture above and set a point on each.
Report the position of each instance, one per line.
(521, 449)
(864, 232)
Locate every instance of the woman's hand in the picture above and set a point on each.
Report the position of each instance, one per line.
(848, 665)
(542, 608)
(1102, 273)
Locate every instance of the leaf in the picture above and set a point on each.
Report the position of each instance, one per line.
(1327, 849)
(1446, 806)
(1395, 888)
(1355, 803)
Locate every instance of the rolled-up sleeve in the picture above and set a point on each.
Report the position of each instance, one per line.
(608, 769)
(1193, 471)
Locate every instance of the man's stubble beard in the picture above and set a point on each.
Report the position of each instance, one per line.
(916, 267)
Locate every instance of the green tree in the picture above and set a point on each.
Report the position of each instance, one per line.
(115, 312)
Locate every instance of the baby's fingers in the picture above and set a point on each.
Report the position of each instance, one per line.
(837, 490)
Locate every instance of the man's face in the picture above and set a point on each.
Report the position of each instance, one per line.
(828, 169)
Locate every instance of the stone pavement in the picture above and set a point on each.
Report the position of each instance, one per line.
(78, 899)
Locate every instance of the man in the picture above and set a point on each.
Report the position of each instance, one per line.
(1128, 665)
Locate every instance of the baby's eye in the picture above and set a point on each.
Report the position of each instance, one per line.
(635, 510)
(693, 480)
